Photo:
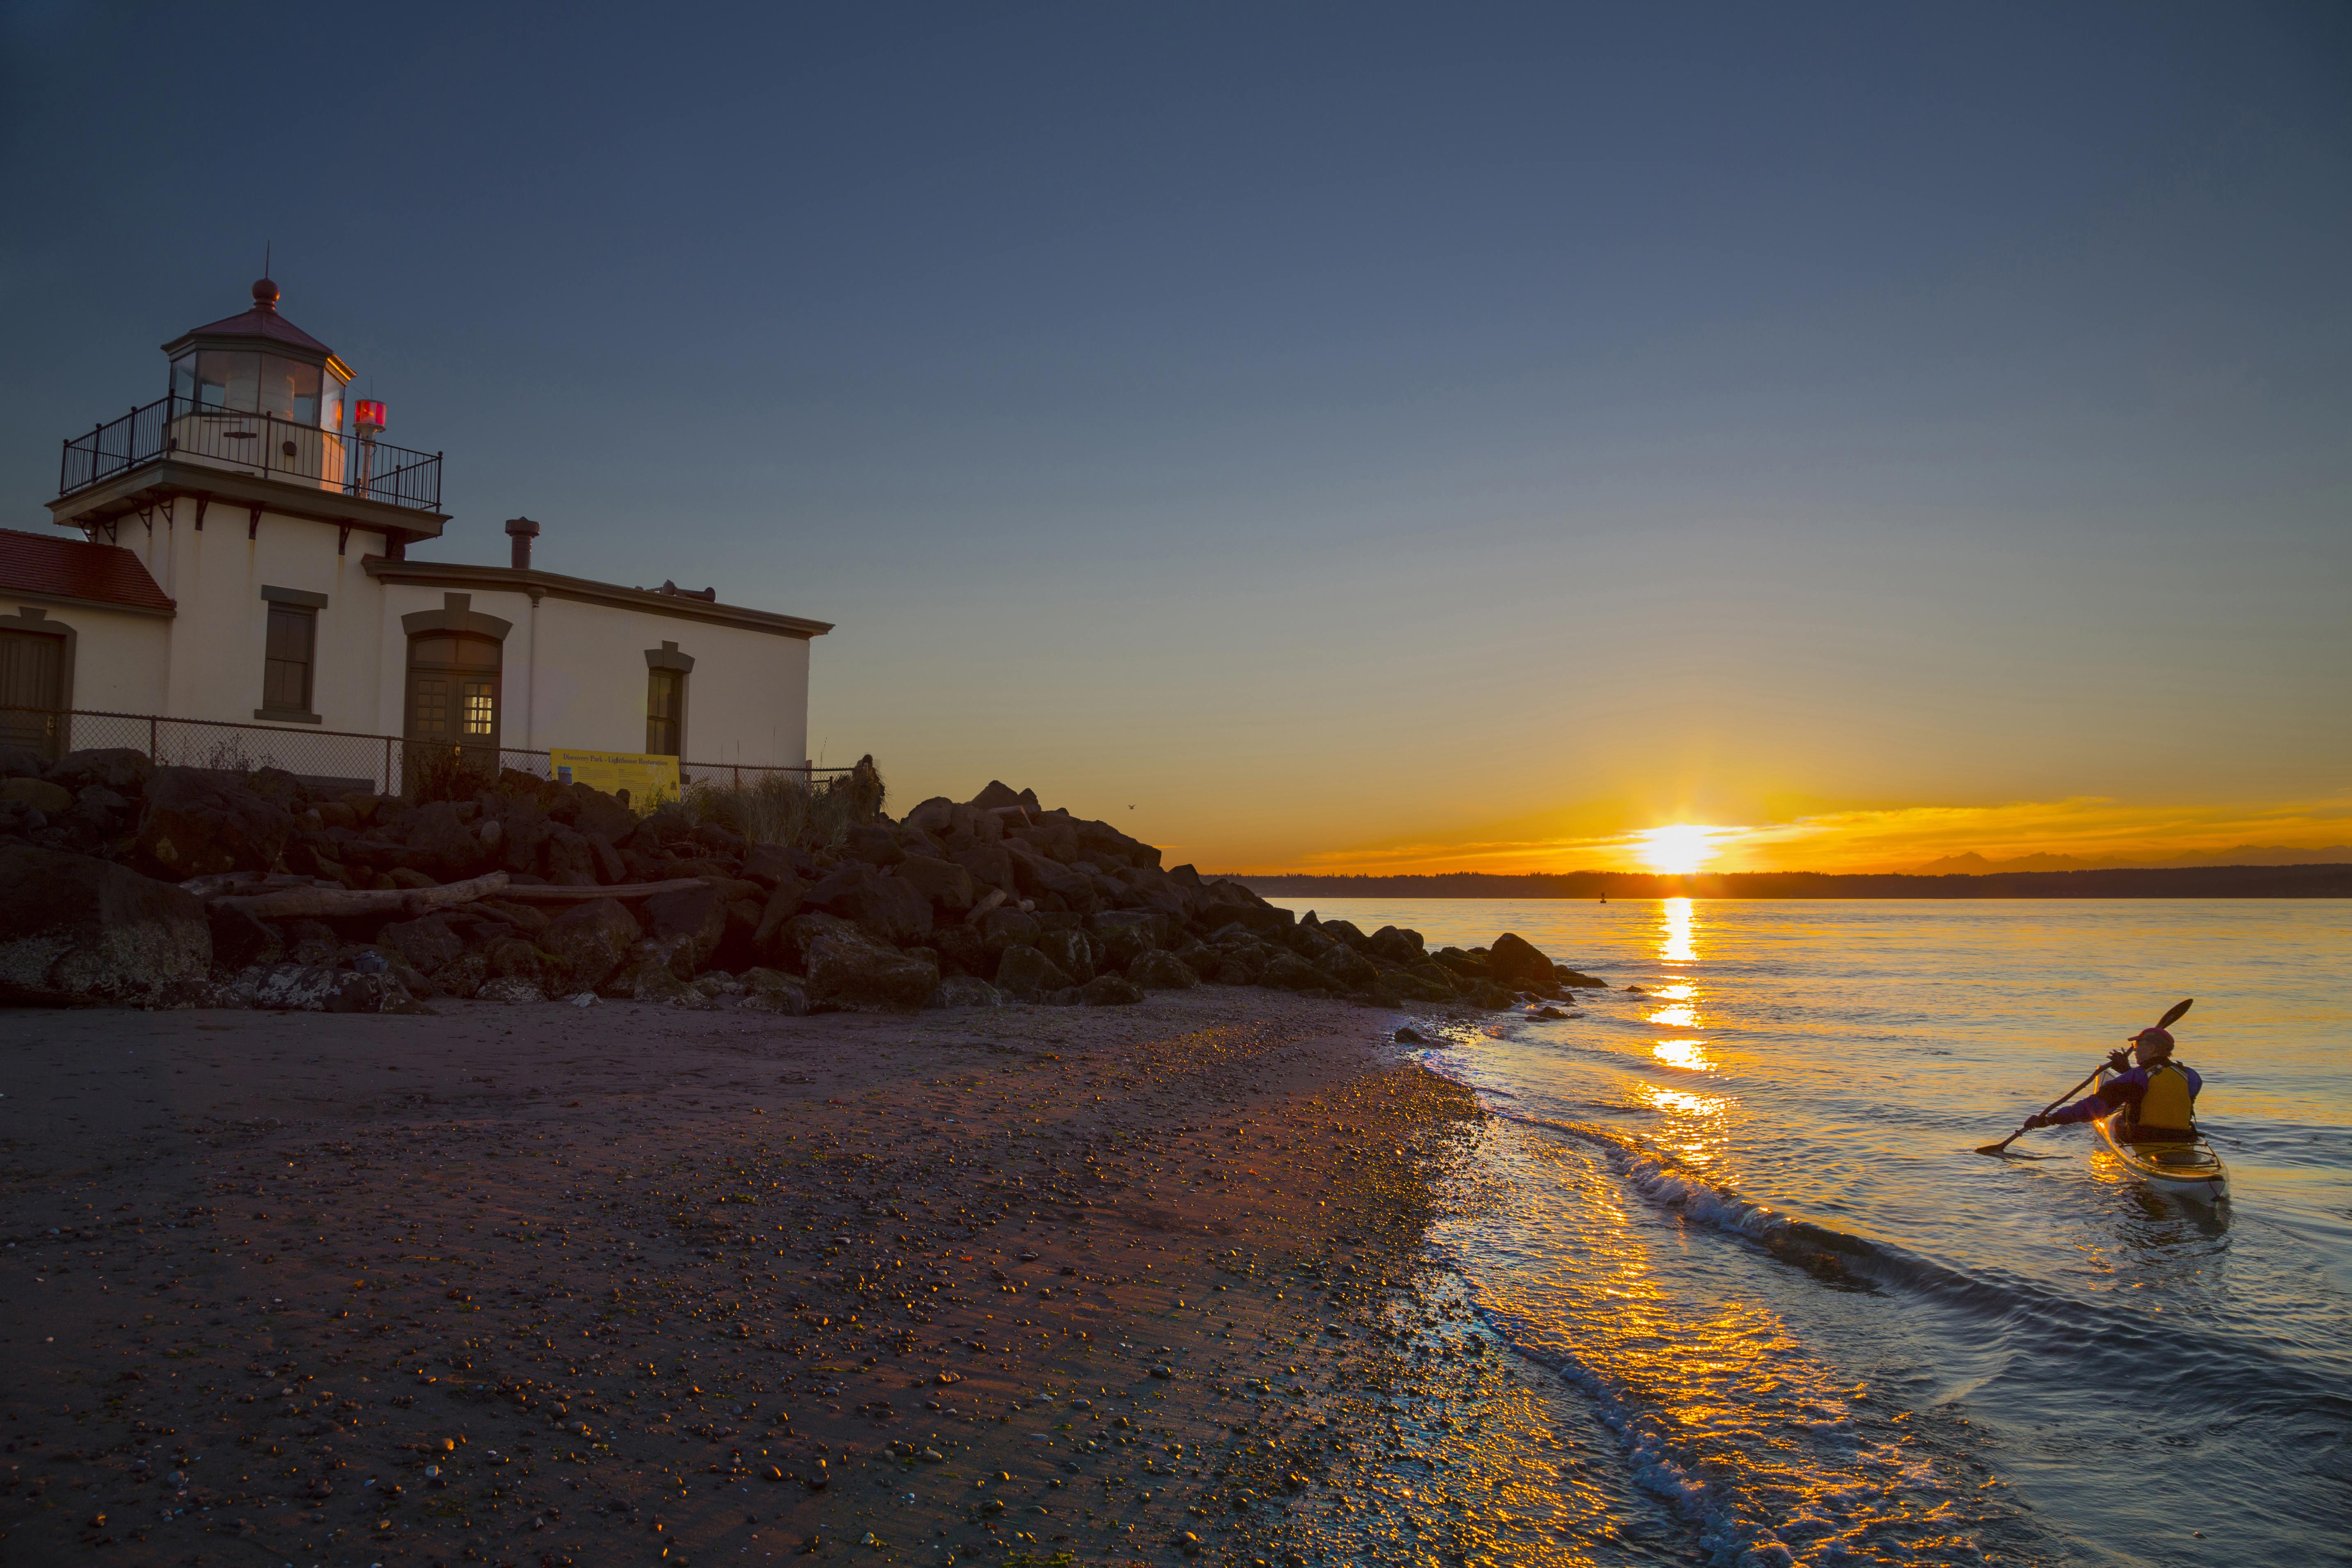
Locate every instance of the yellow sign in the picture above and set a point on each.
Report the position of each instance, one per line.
(648, 780)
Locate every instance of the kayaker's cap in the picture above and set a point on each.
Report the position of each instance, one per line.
(2162, 1037)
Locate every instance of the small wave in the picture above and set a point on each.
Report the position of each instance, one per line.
(2185, 1360)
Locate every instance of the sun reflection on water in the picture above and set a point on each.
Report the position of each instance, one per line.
(1690, 1054)
(1681, 1017)
(1676, 932)
(1694, 1130)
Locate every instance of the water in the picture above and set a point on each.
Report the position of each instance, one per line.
(1739, 1217)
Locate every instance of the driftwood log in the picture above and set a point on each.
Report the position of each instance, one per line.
(318, 903)
(542, 893)
(315, 900)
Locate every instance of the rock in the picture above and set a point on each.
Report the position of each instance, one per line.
(717, 836)
(1005, 928)
(963, 991)
(1288, 971)
(997, 796)
(76, 929)
(609, 865)
(1407, 1034)
(566, 859)
(1109, 990)
(1582, 981)
(1240, 965)
(463, 975)
(770, 864)
(197, 823)
(1350, 969)
(848, 969)
(948, 886)
(874, 846)
(935, 816)
(1437, 975)
(425, 944)
(22, 762)
(1026, 974)
(587, 943)
(783, 904)
(695, 916)
(1396, 987)
(1038, 877)
(38, 794)
(107, 812)
(1397, 944)
(1072, 952)
(441, 845)
(1515, 961)
(313, 988)
(1485, 993)
(123, 769)
(589, 810)
(773, 991)
(991, 865)
(1467, 964)
(1255, 917)
(1122, 935)
(510, 988)
(961, 952)
(1155, 969)
(241, 941)
(888, 910)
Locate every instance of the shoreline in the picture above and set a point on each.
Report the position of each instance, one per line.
(1023, 1280)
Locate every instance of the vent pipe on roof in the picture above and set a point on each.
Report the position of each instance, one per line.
(521, 530)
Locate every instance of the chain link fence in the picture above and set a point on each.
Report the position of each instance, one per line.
(324, 759)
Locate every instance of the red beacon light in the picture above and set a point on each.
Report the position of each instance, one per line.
(367, 418)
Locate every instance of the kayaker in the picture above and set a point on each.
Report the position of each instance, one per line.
(2155, 1094)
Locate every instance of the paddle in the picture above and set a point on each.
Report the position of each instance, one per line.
(2164, 1023)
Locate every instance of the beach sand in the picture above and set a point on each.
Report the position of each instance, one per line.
(545, 1284)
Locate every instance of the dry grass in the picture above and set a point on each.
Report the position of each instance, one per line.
(778, 809)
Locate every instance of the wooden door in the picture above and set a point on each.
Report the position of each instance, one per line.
(453, 710)
(32, 691)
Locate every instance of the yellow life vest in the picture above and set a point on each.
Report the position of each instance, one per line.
(2166, 1105)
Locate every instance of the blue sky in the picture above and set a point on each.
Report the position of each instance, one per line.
(1345, 435)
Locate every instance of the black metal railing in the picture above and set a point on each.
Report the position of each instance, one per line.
(260, 444)
(386, 764)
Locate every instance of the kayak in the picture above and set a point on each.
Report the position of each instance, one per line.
(2189, 1168)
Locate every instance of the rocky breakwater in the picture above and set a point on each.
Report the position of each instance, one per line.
(126, 883)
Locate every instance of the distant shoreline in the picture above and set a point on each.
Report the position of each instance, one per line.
(2330, 881)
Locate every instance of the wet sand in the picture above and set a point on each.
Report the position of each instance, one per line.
(545, 1284)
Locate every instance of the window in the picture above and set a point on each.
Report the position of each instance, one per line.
(665, 712)
(237, 381)
(286, 666)
(230, 379)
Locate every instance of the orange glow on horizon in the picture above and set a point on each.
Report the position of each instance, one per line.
(2093, 831)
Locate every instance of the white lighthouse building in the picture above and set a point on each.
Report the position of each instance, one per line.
(249, 551)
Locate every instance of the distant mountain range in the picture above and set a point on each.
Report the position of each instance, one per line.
(1975, 865)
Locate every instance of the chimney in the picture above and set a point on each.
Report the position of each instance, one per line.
(521, 530)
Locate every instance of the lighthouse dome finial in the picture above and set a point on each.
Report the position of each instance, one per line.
(265, 295)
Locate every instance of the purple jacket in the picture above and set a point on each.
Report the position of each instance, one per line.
(2124, 1089)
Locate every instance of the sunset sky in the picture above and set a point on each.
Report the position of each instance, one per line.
(1332, 438)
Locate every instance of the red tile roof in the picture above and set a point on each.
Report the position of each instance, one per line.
(75, 569)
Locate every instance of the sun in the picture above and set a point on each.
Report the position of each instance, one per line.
(1677, 847)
